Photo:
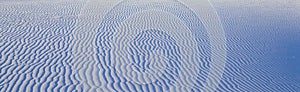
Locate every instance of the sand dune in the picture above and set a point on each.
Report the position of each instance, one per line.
(143, 45)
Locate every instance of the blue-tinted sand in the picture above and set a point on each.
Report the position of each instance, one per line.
(149, 45)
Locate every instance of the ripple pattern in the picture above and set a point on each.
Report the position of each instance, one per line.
(136, 45)
(154, 40)
(34, 48)
(149, 45)
(155, 59)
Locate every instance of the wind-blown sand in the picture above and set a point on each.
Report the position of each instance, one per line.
(148, 45)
